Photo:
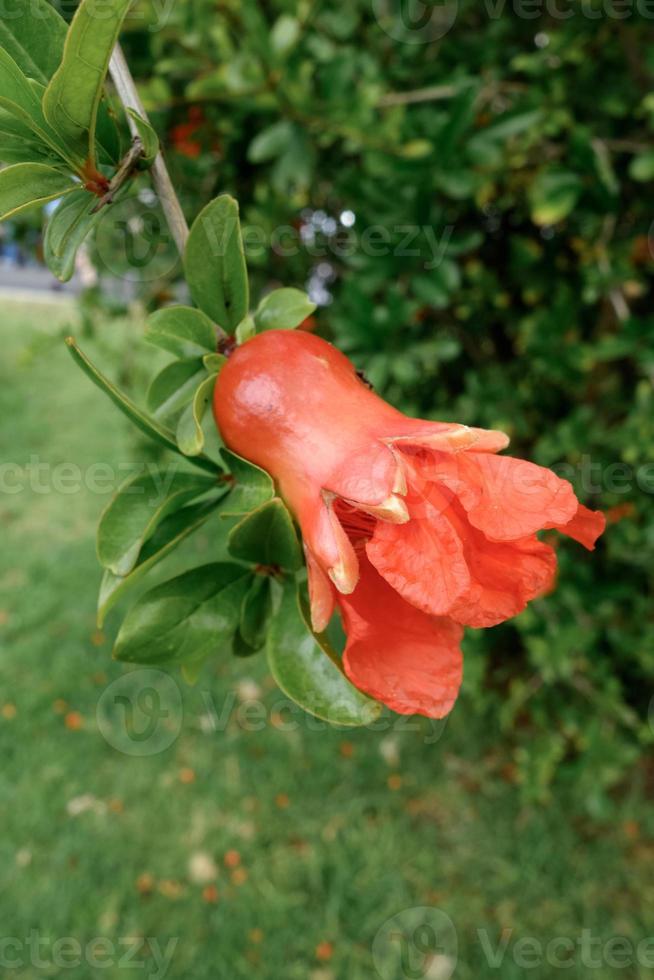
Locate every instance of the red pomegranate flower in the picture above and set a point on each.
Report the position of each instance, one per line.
(414, 529)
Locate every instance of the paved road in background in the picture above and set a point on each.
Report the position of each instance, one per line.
(34, 284)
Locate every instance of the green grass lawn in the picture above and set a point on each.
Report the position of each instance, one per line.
(257, 843)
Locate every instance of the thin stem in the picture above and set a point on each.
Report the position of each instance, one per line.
(126, 88)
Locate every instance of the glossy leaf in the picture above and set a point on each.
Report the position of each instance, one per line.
(139, 505)
(174, 387)
(214, 262)
(66, 230)
(190, 437)
(186, 618)
(252, 486)
(72, 98)
(182, 331)
(26, 184)
(33, 33)
(256, 611)
(283, 309)
(166, 537)
(267, 536)
(150, 426)
(307, 674)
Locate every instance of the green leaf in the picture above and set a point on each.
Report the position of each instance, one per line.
(186, 618)
(553, 195)
(267, 536)
(139, 505)
(26, 184)
(182, 331)
(33, 33)
(252, 486)
(242, 649)
(283, 309)
(149, 138)
(190, 437)
(284, 34)
(174, 387)
(245, 330)
(21, 98)
(72, 98)
(256, 610)
(15, 88)
(151, 427)
(18, 144)
(309, 676)
(65, 231)
(214, 363)
(641, 167)
(167, 536)
(214, 262)
(270, 142)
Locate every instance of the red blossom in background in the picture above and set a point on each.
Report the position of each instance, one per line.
(414, 529)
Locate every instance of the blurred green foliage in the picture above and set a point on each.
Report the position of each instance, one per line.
(472, 212)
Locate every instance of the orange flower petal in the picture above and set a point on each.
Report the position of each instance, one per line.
(399, 655)
(585, 527)
(506, 498)
(423, 560)
(505, 577)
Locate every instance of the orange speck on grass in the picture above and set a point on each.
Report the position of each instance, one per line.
(74, 721)
(324, 951)
(346, 749)
(232, 859)
(255, 936)
(282, 801)
(239, 876)
(210, 894)
(9, 711)
(394, 781)
(145, 883)
(187, 776)
(59, 706)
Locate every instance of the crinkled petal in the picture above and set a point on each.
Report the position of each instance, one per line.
(422, 560)
(505, 576)
(585, 527)
(408, 660)
(506, 498)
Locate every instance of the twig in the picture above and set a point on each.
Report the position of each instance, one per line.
(432, 94)
(128, 165)
(126, 88)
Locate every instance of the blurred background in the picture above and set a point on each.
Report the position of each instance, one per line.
(465, 191)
